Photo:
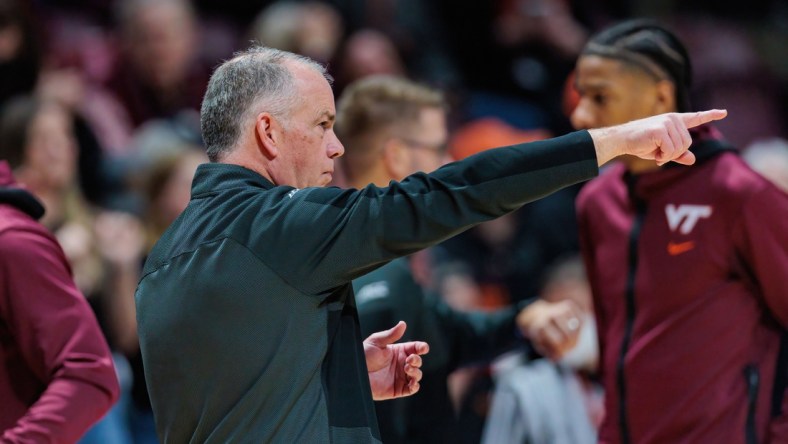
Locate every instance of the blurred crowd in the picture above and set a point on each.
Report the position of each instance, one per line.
(99, 117)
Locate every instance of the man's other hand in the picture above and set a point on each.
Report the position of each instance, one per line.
(394, 369)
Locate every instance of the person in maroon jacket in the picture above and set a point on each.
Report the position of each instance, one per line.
(56, 371)
(688, 265)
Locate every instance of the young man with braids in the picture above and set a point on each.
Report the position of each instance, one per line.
(688, 266)
(247, 321)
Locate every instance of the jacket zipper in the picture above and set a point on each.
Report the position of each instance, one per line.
(753, 381)
(634, 235)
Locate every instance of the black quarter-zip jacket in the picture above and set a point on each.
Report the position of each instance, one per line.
(246, 314)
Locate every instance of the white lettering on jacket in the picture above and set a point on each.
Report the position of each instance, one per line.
(372, 291)
(684, 217)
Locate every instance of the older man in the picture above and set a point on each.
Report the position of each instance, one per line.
(247, 320)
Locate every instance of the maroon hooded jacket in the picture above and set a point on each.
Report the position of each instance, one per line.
(689, 272)
(56, 371)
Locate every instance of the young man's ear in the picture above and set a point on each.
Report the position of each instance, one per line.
(395, 158)
(666, 97)
(267, 135)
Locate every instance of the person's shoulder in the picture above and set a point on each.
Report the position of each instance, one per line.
(730, 173)
(22, 238)
(14, 221)
(332, 196)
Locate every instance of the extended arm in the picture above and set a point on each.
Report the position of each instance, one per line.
(362, 229)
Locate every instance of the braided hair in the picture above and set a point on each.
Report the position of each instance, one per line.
(650, 47)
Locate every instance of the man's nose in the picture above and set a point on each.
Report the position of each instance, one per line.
(581, 118)
(335, 147)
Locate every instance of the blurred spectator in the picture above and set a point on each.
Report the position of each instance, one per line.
(544, 401)
(77, 59)
(541, 22)
(20, 50)
(729, 73)
(159, 72)
(393, 128)
(156, 140)
(56, 377)
(96, 119)
(37, 137)
(310, 28)
(515, 54)
(416, 28)
(770, 158)
(237, 13)
(367, 52)
(718, 231)
(168, 190)
(78, 63)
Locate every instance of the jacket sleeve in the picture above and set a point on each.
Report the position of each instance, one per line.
(473, 336)
(761, 238)
(58, 338)
(343, 234)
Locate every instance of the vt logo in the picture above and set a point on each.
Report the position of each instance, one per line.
(684, 217)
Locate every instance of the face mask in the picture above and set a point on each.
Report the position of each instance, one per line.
(585, 354)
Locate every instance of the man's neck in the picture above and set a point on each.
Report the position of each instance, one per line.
(237, 157)
(636, 165)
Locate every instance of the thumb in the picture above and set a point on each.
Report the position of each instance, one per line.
(386, 337)
(691, 120)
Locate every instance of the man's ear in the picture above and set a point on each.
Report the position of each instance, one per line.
(395, 158)
(666, 97)
(268, 133)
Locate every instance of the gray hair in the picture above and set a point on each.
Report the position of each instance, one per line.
(252, 81)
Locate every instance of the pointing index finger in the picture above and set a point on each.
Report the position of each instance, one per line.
(691, 120)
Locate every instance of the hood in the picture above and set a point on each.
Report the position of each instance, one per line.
(707, 144)
(12, 194)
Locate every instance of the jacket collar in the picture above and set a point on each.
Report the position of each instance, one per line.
(12, 194)
(215, 177)
(707, 144)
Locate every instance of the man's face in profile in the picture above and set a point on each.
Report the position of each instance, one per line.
(309, 145)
